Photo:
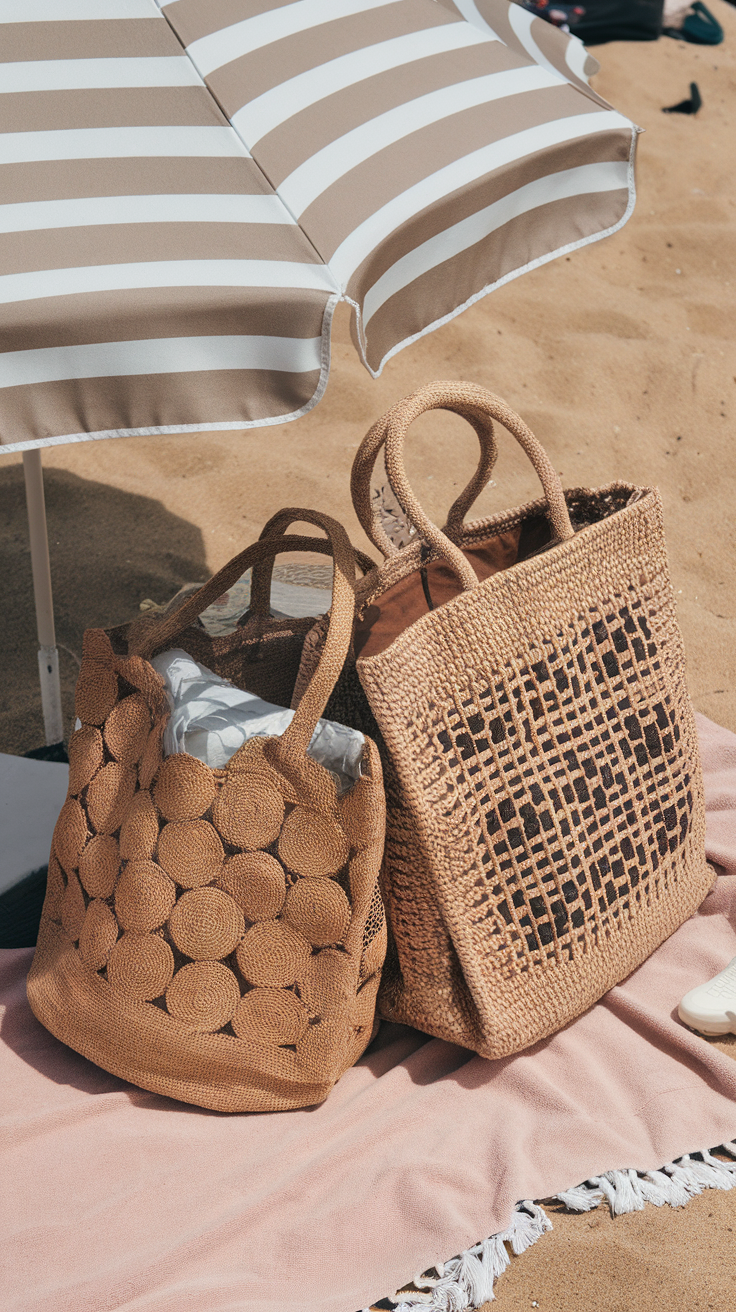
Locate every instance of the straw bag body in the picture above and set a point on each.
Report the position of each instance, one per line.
(545, 815)
(213, 935)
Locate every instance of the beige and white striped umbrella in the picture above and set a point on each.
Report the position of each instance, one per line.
(187, 191)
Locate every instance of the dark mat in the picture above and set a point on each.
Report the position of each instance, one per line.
(20, 910)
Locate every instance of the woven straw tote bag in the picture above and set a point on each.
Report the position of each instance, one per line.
(213, 935)
(545, 816)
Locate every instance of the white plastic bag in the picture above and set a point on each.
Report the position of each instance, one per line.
(211, 718)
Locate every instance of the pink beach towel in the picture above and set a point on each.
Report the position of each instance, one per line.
(118, 1199)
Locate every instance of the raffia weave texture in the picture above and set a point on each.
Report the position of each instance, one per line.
(213, 935)
(545, 815)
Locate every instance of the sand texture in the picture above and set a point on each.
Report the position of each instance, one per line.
(621, 358)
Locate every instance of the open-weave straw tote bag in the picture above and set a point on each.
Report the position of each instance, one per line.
(545, 816)
(213, 935)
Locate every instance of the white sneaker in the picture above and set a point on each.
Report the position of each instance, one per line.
(711, 1008)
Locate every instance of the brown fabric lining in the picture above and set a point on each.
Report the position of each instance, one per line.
(405, 602)
(524, 533)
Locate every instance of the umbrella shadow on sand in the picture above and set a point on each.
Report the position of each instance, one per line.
(109, 551)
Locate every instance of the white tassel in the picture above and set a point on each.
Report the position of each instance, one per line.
(495, 1258)
(607, 1188)
(712, 1174)
(472, 1278)
(583, 1198)
(466, 1282)
(528, 1223)
(626, 1194)
(681, 1172)
(652, 1193)
(672, 1193)
(728, 1167)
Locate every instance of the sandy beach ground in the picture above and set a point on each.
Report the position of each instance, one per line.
(622, 359)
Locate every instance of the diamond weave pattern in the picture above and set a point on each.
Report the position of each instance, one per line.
(545, 816)
(581, 784)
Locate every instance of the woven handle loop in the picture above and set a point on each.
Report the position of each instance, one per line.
(365, 460)
(461, 398)
(291, 747)
(261, 577)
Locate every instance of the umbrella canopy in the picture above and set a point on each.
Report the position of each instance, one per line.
(188, 192)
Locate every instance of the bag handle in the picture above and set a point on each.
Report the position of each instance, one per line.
(459, 397)
(261, 577)
(365, 460)
(291, 747)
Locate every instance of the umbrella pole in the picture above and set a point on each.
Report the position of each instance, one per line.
(48, 655)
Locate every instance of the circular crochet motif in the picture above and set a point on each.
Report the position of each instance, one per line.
(257, 883)
(152, 756)
(325, 982)
(99, 935)
(272, 954)
(357, 813)
(144, 897)
(70, 834)
(55, 887)
(191, 852)
(141, 967)
(72, 908)
(109, 797)
(203, 995)
(206, 924)
(127, 728)
(248, 813)
(99, 865)
(272, 1016)
(319, 910)
(86, 756)
(139, 830)
(96, 693)
(184, 788)
(312, 844)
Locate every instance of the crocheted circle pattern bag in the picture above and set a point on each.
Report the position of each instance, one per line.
(545, 814)
(215, 935)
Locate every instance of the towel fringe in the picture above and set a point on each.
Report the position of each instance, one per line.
(466, 1281)
(675, 1184)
